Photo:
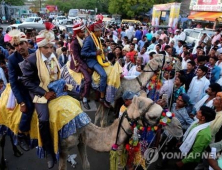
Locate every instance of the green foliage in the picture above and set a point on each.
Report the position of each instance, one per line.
(15, 2)
(131, 8)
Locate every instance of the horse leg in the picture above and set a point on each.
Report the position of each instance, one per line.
(2, 143)
(118, 103)
(65, 145)
(98, 115)
(63, 156)
(16, 151)
(83, 155)
(104, 118)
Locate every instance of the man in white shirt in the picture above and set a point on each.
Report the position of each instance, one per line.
(179, 47)
(185, 60)
(136, 45)
(198, 85)
(136, 70)
(182, 36)
(167, 87)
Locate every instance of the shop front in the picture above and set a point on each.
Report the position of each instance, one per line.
(206, 13)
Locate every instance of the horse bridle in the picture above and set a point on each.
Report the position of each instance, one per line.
(151, 70)
(131, 121)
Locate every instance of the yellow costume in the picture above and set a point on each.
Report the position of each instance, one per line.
(63, 111)
(113, 72)
(100, 58)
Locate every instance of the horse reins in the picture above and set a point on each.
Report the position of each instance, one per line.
(151, 70)
(131, 121)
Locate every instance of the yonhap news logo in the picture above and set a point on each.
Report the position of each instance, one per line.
(151, 155)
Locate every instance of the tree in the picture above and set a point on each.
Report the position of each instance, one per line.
(15, 2)
(65, 5)
(130, 8)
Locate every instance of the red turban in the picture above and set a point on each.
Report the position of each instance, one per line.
(78, 28)
(98, 26)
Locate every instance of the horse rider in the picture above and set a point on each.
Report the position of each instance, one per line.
(39, 69)
(89, 53)
(77, 64)
(19, 41)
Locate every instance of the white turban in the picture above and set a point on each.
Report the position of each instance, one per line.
(16, 36)
(46, 36)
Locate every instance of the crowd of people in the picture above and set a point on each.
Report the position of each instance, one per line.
(192, 92)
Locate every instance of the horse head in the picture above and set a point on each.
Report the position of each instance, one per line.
(157, 63)
(145, 109)
(150, 113)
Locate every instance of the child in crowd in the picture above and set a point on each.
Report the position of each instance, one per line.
(189, 74)
(127, 98)
(179, 109)
(63, 58)
(178, 87)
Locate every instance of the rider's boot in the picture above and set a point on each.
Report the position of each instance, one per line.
(23, 142)
(85, 103)
(103, 100)
(47, 143)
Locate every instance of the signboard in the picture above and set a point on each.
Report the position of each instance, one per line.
(174, 15)
(206, 5)
(174, 9)
(51, 8)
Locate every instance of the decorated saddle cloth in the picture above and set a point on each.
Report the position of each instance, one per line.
(113, 79)
(72, 77)
(66, 117)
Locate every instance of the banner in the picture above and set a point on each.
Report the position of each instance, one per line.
(51, 8)
(174, 9)
(206, 5)
(156, 16)
(174, 15)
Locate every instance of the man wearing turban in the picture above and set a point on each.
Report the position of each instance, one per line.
(77, 64)
(39, 70)
(90, 52)
(19, 41)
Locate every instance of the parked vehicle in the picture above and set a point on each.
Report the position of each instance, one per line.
(194, 35)
(68, 28)
(73, 13)
(33, 20)
(13, 26)
(60, 20)
(127, 21)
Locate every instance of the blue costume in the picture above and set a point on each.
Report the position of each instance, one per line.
(88, 53)
(21, 93)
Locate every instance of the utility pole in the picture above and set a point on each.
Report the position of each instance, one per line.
(40, 3)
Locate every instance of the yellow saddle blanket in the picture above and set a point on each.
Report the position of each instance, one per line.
(62, 110)
(113, 79)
